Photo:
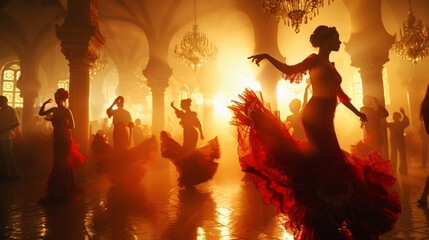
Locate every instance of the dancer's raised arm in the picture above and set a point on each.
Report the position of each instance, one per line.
(283, 67)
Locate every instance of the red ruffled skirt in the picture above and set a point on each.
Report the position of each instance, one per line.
(323, 194)
(124, 167)
(195, 167)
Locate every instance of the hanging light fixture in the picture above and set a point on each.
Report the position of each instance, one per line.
(413, 43)
(100, 64)
(293, 12)
(195, 49)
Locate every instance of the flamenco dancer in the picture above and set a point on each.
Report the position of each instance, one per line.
(123, 165)
(61, 186)
(195, 165)
(324, 192)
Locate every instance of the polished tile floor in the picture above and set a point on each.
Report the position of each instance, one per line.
(225, 208)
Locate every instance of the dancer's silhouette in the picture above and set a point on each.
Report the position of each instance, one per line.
(121, 122)
(123, 165)
(190, 123)
(424, 115)
(61, 184)
(195, 165)
(325, 192)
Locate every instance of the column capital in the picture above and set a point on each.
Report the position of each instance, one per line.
(157, 72)
(368, 49)
(80, 37)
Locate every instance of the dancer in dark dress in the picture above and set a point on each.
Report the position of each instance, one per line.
(324, 192)
(61, 186)
(123, 166)
(424, 115)
(195, 165)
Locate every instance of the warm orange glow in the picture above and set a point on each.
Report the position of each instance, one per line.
(287, 91)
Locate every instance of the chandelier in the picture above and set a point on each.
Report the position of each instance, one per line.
(293, 12)
(413, 44)
(195, 49)
(100, 64)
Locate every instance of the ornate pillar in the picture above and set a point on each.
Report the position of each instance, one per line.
(80, 42)
(265, 41)
(368, 47)
(29, 86)
(157, 72)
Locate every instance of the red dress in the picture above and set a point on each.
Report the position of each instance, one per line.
(61, 184)
(324, 192)
(194, 167)
(125, 167)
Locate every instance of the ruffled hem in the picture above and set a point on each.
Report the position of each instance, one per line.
(315, 199)
(194, 168)
(124, 167)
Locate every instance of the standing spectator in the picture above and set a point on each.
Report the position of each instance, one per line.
(397, 141)
(372, 128)
(105, 127)
(9, 121)
(294, 121)
(138, 131)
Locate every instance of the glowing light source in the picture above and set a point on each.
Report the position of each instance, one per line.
(413, 43)
(100, 64)
(293, 12)
(195, 49)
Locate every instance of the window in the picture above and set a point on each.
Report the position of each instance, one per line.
(64, 84)
(10, 75)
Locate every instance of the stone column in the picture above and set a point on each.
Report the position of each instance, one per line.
(369, 47)
(80, 42)
(157, 72)
(29, 86)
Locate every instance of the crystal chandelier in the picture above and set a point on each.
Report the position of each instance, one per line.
(413, 44)
(293, 12)
(100, 64)
(195, 49)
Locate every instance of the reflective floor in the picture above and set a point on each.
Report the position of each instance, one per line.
(225, 208)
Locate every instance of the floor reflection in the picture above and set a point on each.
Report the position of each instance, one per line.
(224, 209)
(64, 221)
(194, 206)
(121, 213)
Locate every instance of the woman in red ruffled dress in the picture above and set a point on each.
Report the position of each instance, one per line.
(324, 192)
(61, 186)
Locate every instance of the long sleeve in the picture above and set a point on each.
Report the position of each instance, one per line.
(295, 73)
(342, 96)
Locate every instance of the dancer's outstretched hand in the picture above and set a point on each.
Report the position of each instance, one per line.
(47, 101)
(362, 117)
(258, 57)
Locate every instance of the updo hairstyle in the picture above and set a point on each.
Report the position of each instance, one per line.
(322, 34)
(62, 94)
(186, 102)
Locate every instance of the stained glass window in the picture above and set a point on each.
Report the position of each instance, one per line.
(64, 84)
(10, 74)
